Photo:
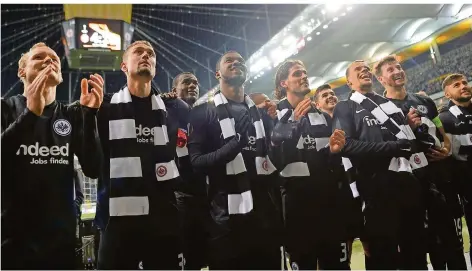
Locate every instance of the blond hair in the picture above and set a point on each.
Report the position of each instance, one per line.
(24, 56)
(451, 79)
(134, 44)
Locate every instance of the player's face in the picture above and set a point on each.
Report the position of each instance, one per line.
(187, 87)
(327, 99)
(360, 76)
(297, 81)
(40, 58)
(392, 75)
(233, 68)
(459, 91)
(260, 98)
(141, 61)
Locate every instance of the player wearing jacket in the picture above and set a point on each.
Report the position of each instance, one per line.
(380, 145)
(456, 117)
(39, 139)
(228, 143)
(443, 208)
(191, 193)
(314, 190)
(136, 208)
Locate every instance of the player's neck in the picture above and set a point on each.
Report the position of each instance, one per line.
(328, 111)
(462, 104)
(364, 90)
(294, 99)
(233, 93)
(396, 93)
(139, 88)
(50, 94)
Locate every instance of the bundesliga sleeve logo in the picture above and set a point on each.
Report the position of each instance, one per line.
(62, 127)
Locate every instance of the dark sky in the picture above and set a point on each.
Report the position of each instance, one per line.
(181, 29)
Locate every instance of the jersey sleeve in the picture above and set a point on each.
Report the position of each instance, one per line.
(433, 114)
(343, 119)
(199, 130)
(86, 139)
(12, 131)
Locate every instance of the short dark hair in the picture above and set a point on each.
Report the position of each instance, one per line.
(451, 79)
(355, 61)
(177, 78)
(319, 89)
(282, 74)
(221, 57)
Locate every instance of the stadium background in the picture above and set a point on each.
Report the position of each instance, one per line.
(431, 40)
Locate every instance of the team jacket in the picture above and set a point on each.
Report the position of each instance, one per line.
(209, 155)
(164, 210)
(369, 146)
(458, 126)
(437, 177)
(315, 199)
(38, 169)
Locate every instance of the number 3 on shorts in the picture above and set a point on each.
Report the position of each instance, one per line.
(344, 252)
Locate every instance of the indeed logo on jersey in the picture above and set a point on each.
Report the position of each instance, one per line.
(43, 155)
(144, 134)
(309, 141)
(371, 121)
(251, 140)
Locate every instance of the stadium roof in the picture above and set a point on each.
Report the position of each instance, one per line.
(186, 37)
(363, 31)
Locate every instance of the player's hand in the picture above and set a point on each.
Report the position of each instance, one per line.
(337, 141)
(302, 108)
(242, 128)
(437, 154)
(169, 95)
(414, 120)
(271, 108)
(285, 130)
(94, 98)
(36, 92)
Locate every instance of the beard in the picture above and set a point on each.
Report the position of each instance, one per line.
(461, 99)
(144, 72)
(235, 81)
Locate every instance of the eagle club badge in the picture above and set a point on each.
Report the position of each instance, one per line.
(422, 109)
(417, 159)
(265, 166)
(62, 127)
(161, 171)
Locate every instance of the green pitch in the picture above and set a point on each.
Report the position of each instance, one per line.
(358, 263)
